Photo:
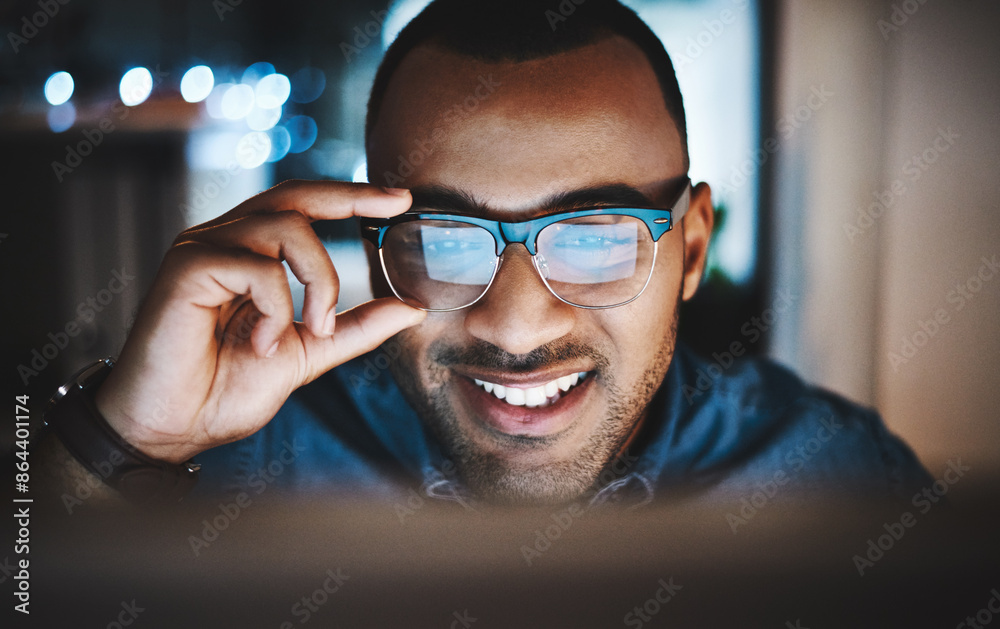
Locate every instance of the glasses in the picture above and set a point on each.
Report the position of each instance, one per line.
(590, 258)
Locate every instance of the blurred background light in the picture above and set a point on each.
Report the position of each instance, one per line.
(253, 149)
(213, 104)
(237, 102)
(303, 132)
(307, 85)
(136, 86)
(262, 119)
(400, 13)
(255, 72)
(59, 88)
(61, 117)
(197, 84)
(281, 141)
(272, 90)
(360, 173)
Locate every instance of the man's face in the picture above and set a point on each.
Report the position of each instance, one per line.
(512, 137)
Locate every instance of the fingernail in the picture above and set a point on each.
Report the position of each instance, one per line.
(273, 350)
(330, 322)
(399, 192)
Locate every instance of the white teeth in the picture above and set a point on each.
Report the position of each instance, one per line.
(535, 396)
(515, 396)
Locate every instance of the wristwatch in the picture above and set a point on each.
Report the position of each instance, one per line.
(73, 416)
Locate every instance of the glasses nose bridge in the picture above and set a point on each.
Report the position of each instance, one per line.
(517, 233)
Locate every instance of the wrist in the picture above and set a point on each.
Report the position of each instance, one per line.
(75, 419)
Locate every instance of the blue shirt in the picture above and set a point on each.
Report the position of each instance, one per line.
(741, 434)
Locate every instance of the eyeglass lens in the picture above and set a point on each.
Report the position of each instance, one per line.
(592, 261)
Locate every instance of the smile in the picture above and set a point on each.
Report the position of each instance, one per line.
(533, 397)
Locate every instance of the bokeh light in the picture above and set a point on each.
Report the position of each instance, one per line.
(237, 102)
(272, 90)
(303, 132)
(255, 72)
(261, 119)
(136, 86)
(280, 143)
(213, 104)
(61, 117)
(59, 88)
(253, 149)
(197, 84)
(307, 85)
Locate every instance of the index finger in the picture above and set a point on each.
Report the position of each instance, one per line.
(322, 200)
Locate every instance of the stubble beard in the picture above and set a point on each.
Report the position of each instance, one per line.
(494, 479)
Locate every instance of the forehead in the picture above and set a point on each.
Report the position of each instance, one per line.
(512, 134)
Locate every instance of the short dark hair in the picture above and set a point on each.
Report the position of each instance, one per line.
(521, 30)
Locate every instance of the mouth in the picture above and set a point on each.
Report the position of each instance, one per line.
(533, 397)
(534, 405)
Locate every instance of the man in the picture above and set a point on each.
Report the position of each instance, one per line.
(531, 362)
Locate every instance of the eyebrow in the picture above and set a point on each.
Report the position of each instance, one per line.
(455, 201)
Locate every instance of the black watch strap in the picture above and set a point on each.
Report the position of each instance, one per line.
(74, 417)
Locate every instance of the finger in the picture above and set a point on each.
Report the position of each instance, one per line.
(208, 277)
(286, 236)
(322, 200)
(359, 330)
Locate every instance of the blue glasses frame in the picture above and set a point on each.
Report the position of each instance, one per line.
(657, 220)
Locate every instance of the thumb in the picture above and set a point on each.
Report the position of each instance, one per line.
(358, 330)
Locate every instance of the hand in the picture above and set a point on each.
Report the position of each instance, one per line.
(214, 352)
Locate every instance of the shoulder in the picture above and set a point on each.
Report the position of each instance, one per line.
(739, 425)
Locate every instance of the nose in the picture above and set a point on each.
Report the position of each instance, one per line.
(518, 314)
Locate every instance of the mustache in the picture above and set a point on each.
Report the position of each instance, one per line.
(489, 356)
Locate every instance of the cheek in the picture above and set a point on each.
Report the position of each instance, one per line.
(639, 330)
(415, 343)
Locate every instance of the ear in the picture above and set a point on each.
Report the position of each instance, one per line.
(697, 231)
